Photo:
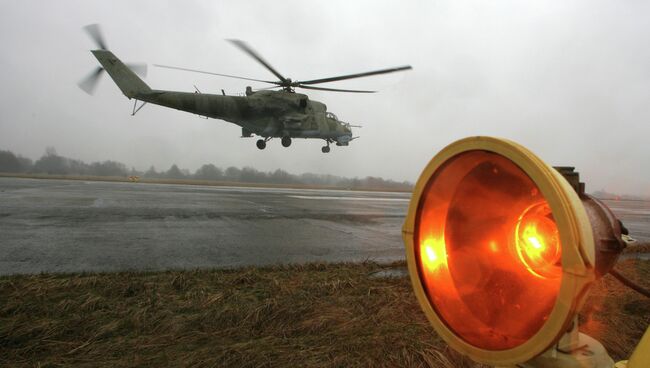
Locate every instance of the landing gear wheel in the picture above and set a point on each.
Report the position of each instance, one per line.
(261, 144)
(325, 149)
(286, 141)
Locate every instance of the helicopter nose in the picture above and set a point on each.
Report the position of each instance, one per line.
(343, 140)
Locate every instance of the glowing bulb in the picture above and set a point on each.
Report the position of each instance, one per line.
(431, 254)
(537, 241)
(435, 254)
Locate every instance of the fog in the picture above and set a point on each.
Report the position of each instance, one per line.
(568, 79)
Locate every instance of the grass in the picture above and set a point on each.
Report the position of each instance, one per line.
(321, 315)
(638, 248)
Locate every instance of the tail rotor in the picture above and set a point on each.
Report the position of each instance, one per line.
(89, 83)
(95, 34)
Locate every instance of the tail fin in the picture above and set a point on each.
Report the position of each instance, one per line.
(130, 84)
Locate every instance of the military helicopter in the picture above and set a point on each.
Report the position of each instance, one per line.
(266, 113)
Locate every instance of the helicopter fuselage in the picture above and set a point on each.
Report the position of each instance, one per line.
(268, 114)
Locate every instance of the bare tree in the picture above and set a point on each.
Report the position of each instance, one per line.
(209, 172)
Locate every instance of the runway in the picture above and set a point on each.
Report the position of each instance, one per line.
(74, 226)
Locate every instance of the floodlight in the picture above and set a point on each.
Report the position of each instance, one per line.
(501, 251)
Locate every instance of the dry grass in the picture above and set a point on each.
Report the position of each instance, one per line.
(639, 247)
(616, 315)
(332, 315)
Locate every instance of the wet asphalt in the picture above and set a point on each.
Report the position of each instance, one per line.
(75, 226)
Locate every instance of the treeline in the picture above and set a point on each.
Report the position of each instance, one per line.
(53, 164)
(602, 194)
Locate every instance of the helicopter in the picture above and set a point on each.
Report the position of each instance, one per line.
(267, 113)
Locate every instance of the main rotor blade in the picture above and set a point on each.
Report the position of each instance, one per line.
(247, 49)
(138, 68)
(89, 83)
(358, 75)
(222, 75)
(334, 89)
(95, 33)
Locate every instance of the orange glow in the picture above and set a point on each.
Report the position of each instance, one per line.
(488, 250)
(537, 242)
(435, 254)
(493, 246)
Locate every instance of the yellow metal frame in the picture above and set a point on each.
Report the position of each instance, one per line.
(641, 356)
(575, 236)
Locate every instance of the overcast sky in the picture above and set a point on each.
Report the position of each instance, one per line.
(568, 79)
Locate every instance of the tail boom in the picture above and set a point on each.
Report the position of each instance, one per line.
(128, 82)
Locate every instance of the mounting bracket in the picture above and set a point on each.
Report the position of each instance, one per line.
(135, 104)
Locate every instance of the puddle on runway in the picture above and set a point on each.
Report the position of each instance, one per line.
(391, 273)
(352, 198)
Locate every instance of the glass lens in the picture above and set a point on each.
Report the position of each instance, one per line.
(488, 250)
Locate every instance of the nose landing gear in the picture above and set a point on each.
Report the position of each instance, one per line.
(326, 149)
(286, 141)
